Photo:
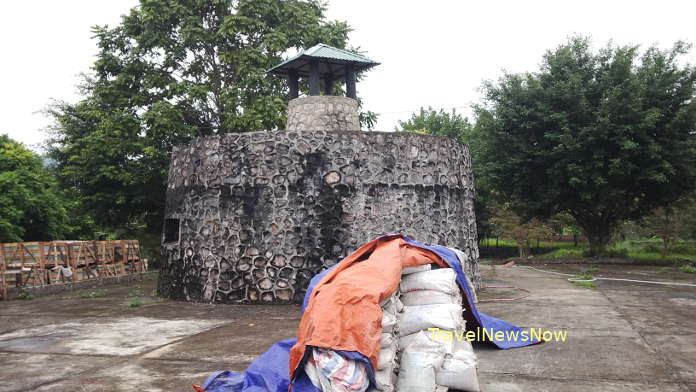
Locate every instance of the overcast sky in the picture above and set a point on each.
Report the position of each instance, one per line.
(433, 53)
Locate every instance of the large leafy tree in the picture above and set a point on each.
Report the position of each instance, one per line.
(603, 135)
(31, 206)
(170, 71)
(437, 122)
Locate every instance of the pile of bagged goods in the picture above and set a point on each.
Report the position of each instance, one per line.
(389, 317)
(423, 348)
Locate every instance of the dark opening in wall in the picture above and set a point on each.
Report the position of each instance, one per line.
(171, 230)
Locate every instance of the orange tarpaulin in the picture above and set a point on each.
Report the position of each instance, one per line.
(343, 312)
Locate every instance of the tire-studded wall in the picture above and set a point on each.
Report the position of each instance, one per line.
(253, 217)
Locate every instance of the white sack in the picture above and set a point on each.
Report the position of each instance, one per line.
(386, 380)
(387, 340)
(419, 341)
(417, 318)
(459, 372)
(425, 339)
(417, 371)
(430, 297)
(392, 305)
(443, 279)
(387, 358)
(413, 270)
(463, 345)
(388, 322)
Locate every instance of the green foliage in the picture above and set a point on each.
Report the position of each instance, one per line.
(135, 303)
(591, 269)
(603, 136)
(688, 268)
(25, 295)
(173, 70)
(438, 123)
(587, 285)
(684, 249)
(637, 250)
(136, 292)
(31, 206)
(584, 276)
(620, 253)
(510, 225)
(564, 253)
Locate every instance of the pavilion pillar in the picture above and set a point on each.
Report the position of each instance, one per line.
(350, 82)
(293, 84)
(328, 84)
(314, 77)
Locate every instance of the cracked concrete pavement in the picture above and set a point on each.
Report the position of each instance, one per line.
(621, 336)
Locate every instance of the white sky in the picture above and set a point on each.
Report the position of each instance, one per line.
(433, 52)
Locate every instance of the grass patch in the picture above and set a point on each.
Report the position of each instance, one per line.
(136, 292)
(563, 253)
(584, 276)
(92, 294)
(25, 296)
(688, 268)
(135, 303)
(490, 242)
(616, 252)
(587, 285)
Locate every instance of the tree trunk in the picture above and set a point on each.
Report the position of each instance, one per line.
(664, 248)
(599, 238)
(523, 250)
(598, 232)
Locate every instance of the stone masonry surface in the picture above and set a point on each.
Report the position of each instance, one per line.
(253, 217)
(329, 113)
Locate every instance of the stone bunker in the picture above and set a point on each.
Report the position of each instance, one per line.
(252, 217)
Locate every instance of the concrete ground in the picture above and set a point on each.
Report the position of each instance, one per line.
(621, 336)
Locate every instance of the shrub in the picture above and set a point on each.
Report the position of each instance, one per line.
(587, 285)
(683, 249)
(135, 303)
(24, 295)
(619, 253)
(652, 248)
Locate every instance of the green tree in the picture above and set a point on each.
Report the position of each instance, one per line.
(437, 122)
(671, 222)
(604, 136)
(511, 226)
(173, 70)
(31, 207)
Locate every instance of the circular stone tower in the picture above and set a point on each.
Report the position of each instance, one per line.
(252, 217)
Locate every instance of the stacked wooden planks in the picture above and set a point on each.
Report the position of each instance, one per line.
(25, 264)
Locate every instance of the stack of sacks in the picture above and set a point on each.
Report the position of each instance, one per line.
(388, 365)
(420, 360)
(432, 299)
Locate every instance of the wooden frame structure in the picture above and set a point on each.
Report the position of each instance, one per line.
(31, 264)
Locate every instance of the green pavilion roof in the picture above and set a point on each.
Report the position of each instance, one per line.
(331, 61)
